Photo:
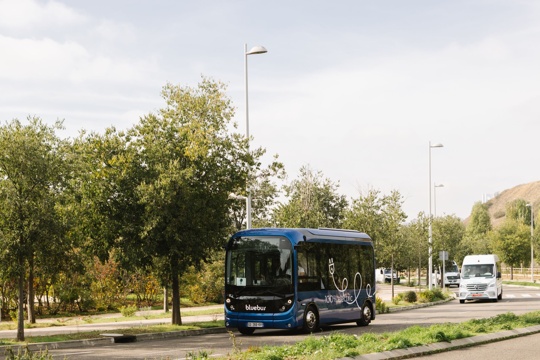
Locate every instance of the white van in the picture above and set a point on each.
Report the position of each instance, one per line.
(382, 275)
(451, 274)
(480, 278)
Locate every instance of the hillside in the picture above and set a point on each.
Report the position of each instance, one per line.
(529, 192)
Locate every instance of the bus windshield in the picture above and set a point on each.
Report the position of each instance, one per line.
(259, 264)
(478, 270)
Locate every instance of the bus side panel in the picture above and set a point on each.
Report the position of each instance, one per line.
(332, 306)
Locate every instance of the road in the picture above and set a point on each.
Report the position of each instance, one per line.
(518, 300)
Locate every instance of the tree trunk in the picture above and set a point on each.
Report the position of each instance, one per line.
(20, 313)
(165, 299)
(419, 270)
(392, 276)
(511, 272)
(30, 298)
(176, 319)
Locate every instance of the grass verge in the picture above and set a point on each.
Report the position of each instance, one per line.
(521, 283)
(338, 345)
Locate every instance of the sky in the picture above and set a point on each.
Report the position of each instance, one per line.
(354, 89)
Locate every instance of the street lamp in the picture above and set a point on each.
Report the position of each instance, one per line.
(532, 246)
(254, 51)
(430, 234)
(435, 186)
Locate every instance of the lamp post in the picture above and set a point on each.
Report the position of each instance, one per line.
(254, 51)
(430, 234)
(435, 186)
(532, 245)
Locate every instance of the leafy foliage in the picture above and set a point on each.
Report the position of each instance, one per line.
(34, 172)
(512, 242)
(313, 202)
(381, 217)
(475, 240)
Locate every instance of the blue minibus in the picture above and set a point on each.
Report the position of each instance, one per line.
(298, 279)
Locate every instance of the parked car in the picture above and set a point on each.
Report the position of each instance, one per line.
(384, 275)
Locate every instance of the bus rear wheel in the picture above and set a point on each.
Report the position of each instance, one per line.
(246, 330)
(311, 319)
(366, 314)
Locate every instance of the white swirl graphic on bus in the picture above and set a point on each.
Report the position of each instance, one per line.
(346, 297)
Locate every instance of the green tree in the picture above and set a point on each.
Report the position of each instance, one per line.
(191, 164)
(511, 242)
(415, 235)
(448, 232)
(519, 211)
(313, 201)
(34, 173)
(476, 240)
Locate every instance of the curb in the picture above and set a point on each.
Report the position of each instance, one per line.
(447, 346)
(418, 306)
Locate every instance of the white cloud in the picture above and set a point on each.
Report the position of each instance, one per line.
(47, 59)
(115, 32)
(29, 14)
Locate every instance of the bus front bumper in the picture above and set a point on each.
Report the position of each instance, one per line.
(260, 320)
(478, 295)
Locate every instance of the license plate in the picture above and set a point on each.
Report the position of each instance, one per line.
(477, 295)
(255, 324)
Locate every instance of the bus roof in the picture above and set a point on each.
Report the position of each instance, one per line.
(297, 235)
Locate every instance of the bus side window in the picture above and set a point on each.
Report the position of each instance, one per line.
(302, 264)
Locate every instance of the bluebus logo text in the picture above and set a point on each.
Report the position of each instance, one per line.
(255, 308)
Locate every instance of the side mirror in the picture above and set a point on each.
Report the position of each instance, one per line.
(499, 275)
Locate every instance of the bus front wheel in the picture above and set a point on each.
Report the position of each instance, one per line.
(366, 314)
(246, 330)
(311, 319)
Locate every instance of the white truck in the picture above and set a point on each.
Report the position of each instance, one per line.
(480, 278)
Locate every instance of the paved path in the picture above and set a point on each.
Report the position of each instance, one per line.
(85, 326)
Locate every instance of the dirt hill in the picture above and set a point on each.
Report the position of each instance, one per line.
(529, 192)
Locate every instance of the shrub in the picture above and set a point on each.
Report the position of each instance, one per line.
(396, 299)
(205, 284)
(128, 311)
(410, 296)
(380, 306)
(435, 294)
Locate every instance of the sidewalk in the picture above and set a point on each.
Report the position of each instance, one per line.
(84, 326)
